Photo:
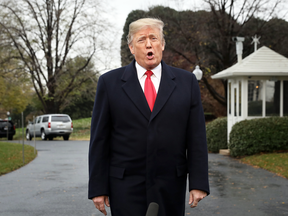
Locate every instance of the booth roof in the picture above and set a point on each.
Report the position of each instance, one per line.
(263, 62)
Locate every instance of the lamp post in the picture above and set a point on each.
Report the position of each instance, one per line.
(198, 73)
(8, 113)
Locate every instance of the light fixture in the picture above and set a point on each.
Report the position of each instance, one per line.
(198, 73)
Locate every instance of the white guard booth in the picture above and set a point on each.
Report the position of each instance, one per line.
(257, 87)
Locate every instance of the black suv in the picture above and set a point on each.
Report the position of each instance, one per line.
(7, 125)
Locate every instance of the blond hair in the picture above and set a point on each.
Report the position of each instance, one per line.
(137, 25)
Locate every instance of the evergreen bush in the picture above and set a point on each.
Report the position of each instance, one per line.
(216, 132)
(254, 136)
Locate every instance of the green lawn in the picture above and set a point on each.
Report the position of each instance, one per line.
(81, 129)
(274, 162)
(18, 134)
(11, 157)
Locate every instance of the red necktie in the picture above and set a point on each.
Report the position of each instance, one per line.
(149, 90)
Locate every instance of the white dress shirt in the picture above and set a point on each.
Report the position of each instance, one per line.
(155, 77)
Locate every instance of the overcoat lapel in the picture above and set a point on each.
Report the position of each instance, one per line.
(133, 89)
(167, 86)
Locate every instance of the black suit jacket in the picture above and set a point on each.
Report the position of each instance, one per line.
(136, 156)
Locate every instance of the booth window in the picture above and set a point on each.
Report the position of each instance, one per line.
(272, 98)
(240, 101)
(235, 102)
(255, 97)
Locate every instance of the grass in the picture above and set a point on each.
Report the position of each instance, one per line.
(18, 134)
(274, 162)
(81, 129)
(11, 157)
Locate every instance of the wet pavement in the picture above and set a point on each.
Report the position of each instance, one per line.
(55, 183)
(238, 189)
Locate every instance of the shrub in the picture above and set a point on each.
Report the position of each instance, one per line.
(216, 132)
(254, 136)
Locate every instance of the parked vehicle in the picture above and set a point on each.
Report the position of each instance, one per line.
(50, 126)
(7, 125)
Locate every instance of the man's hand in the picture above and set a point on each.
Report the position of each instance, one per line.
(195, 197)
(99, 203)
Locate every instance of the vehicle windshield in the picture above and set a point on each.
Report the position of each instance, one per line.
(4, 123)
(60, 119)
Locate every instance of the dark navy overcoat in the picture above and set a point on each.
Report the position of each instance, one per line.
(137, 157)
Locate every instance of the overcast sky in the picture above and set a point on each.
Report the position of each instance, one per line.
(124, 7)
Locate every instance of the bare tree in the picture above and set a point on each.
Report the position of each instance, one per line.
(47, 34)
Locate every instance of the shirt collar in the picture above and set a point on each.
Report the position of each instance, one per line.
(141, 71)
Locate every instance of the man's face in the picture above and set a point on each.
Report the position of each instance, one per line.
(147, 47)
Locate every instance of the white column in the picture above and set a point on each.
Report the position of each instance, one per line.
(281, 98)
(230, 105)
(264, 99)
(244, 98)
(237, 99)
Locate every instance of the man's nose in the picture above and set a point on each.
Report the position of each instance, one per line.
(148, 44)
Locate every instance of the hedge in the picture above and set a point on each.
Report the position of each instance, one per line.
(254, 136)
(216, 132)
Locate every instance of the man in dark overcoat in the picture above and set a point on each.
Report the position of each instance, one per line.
(147, 132)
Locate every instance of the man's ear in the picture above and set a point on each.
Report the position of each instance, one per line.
(131, 49)
(163, 45)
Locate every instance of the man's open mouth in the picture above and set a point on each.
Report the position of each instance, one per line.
(150, 55)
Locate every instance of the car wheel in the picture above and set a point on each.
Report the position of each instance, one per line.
(66, 137)
(28, 135)
(43, 135)
(10, 137)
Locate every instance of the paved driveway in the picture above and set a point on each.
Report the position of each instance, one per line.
(238, 189)
(55, 183)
